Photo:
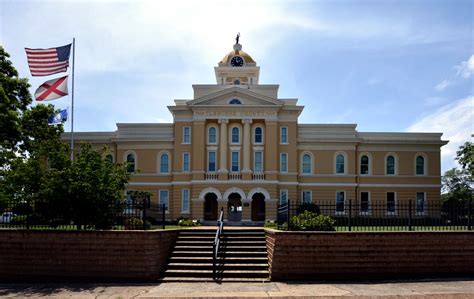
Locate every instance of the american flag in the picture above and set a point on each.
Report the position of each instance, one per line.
(45, 62)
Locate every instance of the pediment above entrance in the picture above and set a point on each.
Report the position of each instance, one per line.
(235, 97)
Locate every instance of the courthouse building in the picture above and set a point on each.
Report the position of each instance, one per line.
(237, 145)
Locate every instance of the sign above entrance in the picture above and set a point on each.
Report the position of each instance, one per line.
(235, 114)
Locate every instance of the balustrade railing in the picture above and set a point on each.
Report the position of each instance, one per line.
(258, 176)
(235, 176)
(211, 176)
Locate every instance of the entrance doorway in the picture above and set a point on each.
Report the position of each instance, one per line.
(210, 207)
(258, 207)
(234, 207)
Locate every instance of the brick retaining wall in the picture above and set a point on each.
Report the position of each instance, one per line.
(333, 255)
(83, 255)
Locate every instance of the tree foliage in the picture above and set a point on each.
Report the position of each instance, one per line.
(36, 175)
(465, 157)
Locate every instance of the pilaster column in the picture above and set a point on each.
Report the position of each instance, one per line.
(223, 146)
(246, 145)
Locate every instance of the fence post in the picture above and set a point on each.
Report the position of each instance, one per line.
(409, 217)
(469, 214)
(144, 203)
(288, 215)
(28, 215)
(350, 214)
(164, 218)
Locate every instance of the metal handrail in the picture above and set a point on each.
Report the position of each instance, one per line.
(216, 244)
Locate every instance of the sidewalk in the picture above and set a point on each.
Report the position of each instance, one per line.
(460, 288)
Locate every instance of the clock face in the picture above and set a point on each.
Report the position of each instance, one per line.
(237, 61)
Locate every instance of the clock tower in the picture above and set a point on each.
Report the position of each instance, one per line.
(237, 68)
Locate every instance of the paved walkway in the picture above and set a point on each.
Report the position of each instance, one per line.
(460, 288)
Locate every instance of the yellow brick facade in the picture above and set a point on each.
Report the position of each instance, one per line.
(249, 167)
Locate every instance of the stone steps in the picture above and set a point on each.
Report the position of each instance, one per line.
(242, 256)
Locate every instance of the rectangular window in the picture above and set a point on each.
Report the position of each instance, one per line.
(420, 202)
(235, 162)
(211, 161)
(307, 197)
(340, 201)
(283, 197)
(390, 202)
(186, 134)
(258, 162)
(164, 199)
(284, 135)
(186, 162)
(283, 162)
(364, 202)
(185, 201)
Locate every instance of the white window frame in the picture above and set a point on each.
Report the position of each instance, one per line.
(215, 161)
(286, 164)
(343, 212)
(135, 162)
(255, 161)
(183, 192)
(369, 156)
(344, 155)
(189, 162)
(253, 135)
(425, 164)
(167, 210)
(281, 135)
(395, 203)
(231, 127)
(184, 135)
(395, 168)
(160, 154)
(283, 191)
(424, 204)
(310, 196)
(310, 164)
(369, 209)
(208, 135)
(232, 162)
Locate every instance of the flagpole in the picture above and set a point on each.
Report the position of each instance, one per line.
(72, 99)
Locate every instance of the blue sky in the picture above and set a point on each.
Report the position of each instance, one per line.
(391, 66)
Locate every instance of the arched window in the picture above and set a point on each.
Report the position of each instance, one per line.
(131, 162)
(109, 158)
(164, 163)
(237, 82)
(211, 137)
(340, 164)
(235, 135)
(258, 135)
(306, 163)
(420, 165)
(235, 102)
(390, 162)
(364, 164)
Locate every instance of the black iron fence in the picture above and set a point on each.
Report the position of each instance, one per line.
(403, 216)
(136, 214)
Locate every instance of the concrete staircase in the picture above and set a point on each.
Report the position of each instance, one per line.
(243, 256)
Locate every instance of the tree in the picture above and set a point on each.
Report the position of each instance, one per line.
(465, 157)
(14, 99)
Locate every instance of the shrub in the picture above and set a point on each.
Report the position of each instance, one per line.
(134, 223)
(309, 207)
(187, 222)
(18, 219)
(270, 224)
(309, 221)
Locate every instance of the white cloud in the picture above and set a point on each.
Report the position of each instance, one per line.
(466, 68)
(455, 121)
(442, 85)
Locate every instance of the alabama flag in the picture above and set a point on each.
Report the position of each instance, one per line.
(52, 89)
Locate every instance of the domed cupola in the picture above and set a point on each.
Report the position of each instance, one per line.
(237, 67)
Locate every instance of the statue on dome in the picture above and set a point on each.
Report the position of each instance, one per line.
(237, 38)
